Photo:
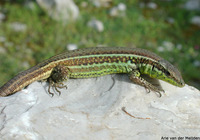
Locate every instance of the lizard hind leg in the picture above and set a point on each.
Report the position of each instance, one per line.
(135, 76)
(58, 75)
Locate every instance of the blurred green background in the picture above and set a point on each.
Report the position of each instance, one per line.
(28, 35)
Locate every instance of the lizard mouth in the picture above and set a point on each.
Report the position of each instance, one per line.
(180, 83)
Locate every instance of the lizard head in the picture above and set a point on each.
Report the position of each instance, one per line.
(170, 74)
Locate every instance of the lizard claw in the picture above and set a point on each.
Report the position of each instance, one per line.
(147, 90)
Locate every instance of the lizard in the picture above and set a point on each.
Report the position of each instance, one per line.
(95, 62)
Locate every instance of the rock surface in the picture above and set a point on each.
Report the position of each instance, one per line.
(64, 10)
(92, 109)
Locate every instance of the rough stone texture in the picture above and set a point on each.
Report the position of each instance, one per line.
(64, 10)
(92, 109)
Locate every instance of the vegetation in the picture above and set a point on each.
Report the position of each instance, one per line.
(41, 37)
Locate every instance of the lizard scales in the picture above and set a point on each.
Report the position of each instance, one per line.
(94, 62)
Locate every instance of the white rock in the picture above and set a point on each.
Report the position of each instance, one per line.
(96, 24)
(2, 50)
(161, 49)
(170, 20)
(92, 109)
(169, 46)
(196, 20)
(152, 5)
(64, 10)
(8, 44)
(2, 39)
(18, 27)
(166, 46)
(25, 64)
(118, 11)
(114, 12)
(121, 6)
(72, 47)
(101, 3)
(2, 17)
(30, 5)
(192, 4)
(179, 46)
(196, 63)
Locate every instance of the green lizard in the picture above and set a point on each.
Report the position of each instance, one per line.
(94, 62)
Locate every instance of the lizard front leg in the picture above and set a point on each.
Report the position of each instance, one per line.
(58, 75)
(135, 76)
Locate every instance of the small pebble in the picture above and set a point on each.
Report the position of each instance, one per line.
(121, 6)
(118, 11)
(196, 63)
(196, 20)
(168, 45)
(170, 20)
(2, 50)
(72, 47)
(152, 5)
(2, 39)
(96, 24)
(161, 49)
(2, 17)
